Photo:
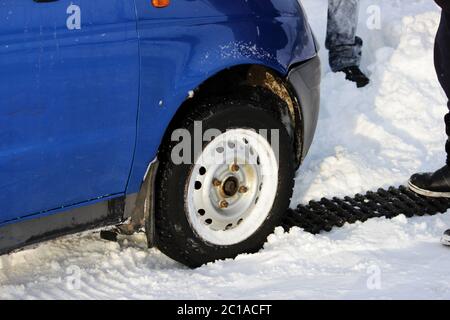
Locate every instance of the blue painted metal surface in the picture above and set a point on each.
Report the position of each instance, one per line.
(68, 103)
(83, 111)
(189, 41)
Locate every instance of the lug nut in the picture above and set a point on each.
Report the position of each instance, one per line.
(235, 168)
(223, 204)
(217, 183)
(243, 189)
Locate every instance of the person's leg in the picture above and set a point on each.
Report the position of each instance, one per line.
(343, 45)
(437, 184)
(442, 64)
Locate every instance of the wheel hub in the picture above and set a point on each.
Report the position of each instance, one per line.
(232, 187)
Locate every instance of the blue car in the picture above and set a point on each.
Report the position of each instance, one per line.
(183, 118)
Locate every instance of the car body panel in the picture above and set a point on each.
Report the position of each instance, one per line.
(188, 42)
(305, 80)
(68, 103)
(60, 154)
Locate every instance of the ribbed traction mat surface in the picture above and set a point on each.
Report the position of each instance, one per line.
(325, 214)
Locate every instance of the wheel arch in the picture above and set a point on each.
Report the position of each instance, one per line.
(256, 82)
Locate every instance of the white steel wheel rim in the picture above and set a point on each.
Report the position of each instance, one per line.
(240, 168)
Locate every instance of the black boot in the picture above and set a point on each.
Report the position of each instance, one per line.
(354, 74)
(446, 238)
(435, 184)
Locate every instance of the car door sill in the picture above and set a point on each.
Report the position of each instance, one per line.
(30, 231)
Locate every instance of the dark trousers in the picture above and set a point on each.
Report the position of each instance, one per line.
(442, 64)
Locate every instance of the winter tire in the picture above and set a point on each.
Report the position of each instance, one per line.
(235, 191)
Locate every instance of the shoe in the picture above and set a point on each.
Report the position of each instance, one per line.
(436, 185)
(355, 74)
(446, 238)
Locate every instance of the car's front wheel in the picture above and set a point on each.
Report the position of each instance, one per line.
(235, 191)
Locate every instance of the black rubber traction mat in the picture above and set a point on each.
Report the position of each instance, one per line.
(323, 215)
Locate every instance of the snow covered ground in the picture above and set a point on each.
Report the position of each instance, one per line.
(368, 138)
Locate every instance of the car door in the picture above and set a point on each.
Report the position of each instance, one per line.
(69, 78)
